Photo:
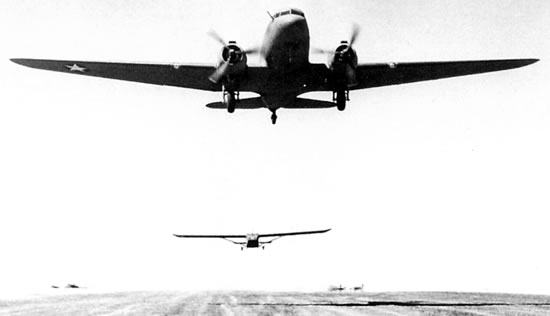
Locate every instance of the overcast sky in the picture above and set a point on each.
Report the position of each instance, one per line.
(440, 185)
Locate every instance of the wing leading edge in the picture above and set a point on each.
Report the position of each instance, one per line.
(386, 74)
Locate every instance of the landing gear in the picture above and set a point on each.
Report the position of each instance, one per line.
(273, 117)
(340, 97)
(231, 102)
(230, 99)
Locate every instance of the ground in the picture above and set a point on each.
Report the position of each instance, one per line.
(282, 303)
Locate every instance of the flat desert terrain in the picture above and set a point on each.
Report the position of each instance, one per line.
(279, 303)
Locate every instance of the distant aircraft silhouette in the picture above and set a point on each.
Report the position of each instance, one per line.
(339, 288)
(68, 286)
(252, 240)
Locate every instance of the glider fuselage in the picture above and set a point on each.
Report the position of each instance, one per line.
(252, 241)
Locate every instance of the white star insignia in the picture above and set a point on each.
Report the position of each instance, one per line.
(75, 67)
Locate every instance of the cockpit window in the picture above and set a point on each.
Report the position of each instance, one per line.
(291, 11)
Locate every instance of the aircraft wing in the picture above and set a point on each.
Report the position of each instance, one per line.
(387, 74)
(210, 236)
(186, 76)
(295, 233)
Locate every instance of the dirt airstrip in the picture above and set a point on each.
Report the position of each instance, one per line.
(267, 303)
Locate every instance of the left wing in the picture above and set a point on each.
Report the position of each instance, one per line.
(295, 233)
(386, 74)
(186, 76)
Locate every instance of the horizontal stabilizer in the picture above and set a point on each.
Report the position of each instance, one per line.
(249, 104)
(302, 103)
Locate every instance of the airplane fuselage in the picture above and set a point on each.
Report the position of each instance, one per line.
(285, 50)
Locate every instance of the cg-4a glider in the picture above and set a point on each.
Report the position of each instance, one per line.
(253, 240)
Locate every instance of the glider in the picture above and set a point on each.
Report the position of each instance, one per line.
(253, 240)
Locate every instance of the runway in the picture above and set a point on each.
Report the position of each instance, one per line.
(279, 303)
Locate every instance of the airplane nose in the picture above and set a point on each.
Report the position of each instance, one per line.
(290, 21)
(286, 41)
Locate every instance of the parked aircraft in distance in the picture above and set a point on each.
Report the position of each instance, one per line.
(68, 286)
(358, 288)
(252, 240)
(334, 288)
(285, 72)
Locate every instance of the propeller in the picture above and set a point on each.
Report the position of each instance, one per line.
(216, 37)
(231, 54)
(218, 74)
(343, 60)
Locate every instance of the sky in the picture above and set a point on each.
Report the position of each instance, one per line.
(439, 185)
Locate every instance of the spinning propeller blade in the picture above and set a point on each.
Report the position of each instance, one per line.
(214, 35)
(354, 34)
(217, 75)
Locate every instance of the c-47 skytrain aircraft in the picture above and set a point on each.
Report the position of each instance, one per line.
(285, 72)
(252, 240)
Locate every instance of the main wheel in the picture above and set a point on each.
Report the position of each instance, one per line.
(231, 102)
(341, 100)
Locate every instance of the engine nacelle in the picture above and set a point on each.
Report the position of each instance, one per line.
(232, 60)
(343, 64)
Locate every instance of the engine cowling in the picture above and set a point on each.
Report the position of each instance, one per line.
(343, 64)
(232, 63)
